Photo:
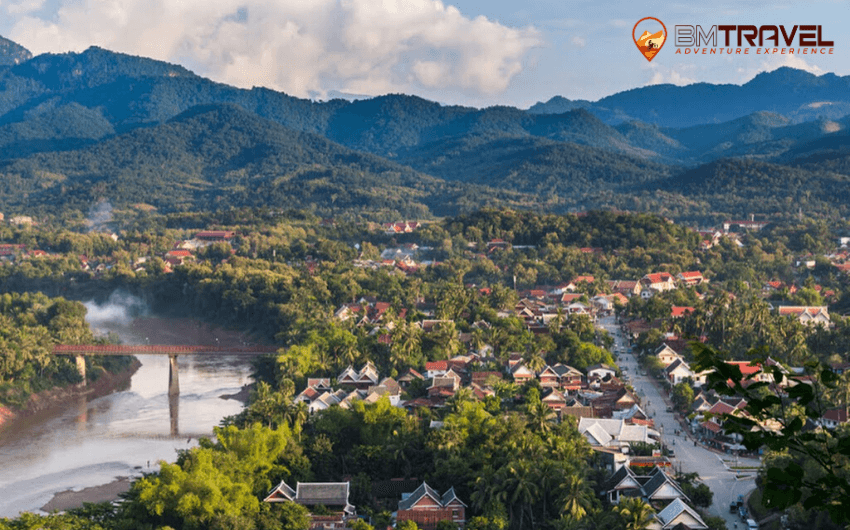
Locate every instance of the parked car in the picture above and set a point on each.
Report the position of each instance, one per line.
(733, 507)
(752, 525)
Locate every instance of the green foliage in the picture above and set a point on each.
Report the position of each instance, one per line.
(682, 396)
(810, 466)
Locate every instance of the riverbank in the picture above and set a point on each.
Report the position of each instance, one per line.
(70, 499)
(44, 401)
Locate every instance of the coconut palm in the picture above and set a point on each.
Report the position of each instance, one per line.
(636, 514)
(576, 498)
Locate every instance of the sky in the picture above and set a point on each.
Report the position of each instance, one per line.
(468, 52)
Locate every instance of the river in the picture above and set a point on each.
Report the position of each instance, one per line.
(93, 441)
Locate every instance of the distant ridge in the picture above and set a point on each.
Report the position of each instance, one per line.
(12, 53)
(796, 94)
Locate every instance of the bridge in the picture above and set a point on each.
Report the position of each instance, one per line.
(79, 351)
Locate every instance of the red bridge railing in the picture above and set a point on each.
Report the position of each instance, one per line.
(161, 349)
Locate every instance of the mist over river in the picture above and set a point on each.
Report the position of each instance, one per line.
(93, 440)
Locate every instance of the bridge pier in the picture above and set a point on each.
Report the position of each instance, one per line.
(173, 382)
(174, 413)
(81, 366)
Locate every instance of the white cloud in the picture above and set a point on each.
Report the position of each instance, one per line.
(579, 41)
(303, 48)
(669, 75)
(24, 6)
(794, 61)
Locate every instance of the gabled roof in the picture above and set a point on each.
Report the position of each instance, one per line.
(836, 415)
(436, 366)
(410, 375)
(600, 366)
(422, 491)
(563, 369)
(676, 509)
(623, 478)
(660, 479)
(746, 368)
(450, 496)
(678, 364)
(281, 493)
(680, 311)
(657, 277)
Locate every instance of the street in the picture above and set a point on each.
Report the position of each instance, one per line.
(688, 457)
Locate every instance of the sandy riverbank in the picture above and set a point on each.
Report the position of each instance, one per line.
(70, 499)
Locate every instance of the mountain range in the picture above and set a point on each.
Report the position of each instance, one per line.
(76, 128)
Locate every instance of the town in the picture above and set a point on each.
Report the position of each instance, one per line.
(448, 345)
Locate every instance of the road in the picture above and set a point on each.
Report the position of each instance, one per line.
(689, 458)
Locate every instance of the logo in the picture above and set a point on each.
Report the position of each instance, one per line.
(653, 35)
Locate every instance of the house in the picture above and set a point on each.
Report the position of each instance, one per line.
(667, 355)
(569, 378)
(833, 418)
(661, 489)
(690, 278)
(388, 387)
(678, 371)
(679, 311)
(623, 483)
(613, 433)
(678, 513)
(436, 369)
(521, 374)
(627, 288)
(426, 507)
(408, 377)
(600, 370)
(808, 315)
(602, 303)
(361, 379)
(713, 424)
(332, 496)
(578, 280)
(655, 488)
(659, 281)
(554, 399)
(549, 378)
(324, 402)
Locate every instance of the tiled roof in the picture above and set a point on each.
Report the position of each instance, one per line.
(422, 491)
(326, 493)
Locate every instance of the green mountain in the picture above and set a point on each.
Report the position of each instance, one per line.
(78, 127)
(222, 156)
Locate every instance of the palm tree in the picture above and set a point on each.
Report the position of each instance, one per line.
(636, 513)
(534, 361)
(522, 483)
(576, 498)
(462, 395)
(540, 416)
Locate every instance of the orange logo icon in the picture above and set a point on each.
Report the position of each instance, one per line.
(653, 34)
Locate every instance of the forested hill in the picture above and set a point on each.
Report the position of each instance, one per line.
(79, 127)
(219, 156)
